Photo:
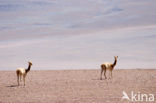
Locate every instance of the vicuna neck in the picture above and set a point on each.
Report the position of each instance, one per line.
(115, 61)
(28, 69)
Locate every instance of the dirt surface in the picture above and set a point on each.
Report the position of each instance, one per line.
(76, 86)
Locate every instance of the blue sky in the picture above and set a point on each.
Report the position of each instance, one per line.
(77, 34)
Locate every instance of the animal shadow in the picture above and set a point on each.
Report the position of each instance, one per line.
(12, 86)
(96, 79)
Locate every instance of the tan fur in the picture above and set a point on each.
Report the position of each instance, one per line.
(108, 66)
(21, 72)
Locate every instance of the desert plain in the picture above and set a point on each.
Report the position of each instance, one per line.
(76, 86)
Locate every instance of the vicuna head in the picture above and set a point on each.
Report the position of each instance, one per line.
(30, 63)
(116, 57)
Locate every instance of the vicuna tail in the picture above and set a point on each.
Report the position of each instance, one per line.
(17, 72)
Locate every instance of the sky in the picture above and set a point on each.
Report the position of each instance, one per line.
(77, 34)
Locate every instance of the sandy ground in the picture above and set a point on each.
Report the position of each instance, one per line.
(75, 86)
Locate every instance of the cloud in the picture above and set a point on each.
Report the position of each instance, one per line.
(77, 14)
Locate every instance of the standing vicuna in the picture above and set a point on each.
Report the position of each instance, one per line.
(23, 72)
(108, 66)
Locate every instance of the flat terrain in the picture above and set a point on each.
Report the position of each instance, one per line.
(75, 86)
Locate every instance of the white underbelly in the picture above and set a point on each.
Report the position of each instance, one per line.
(22, 70)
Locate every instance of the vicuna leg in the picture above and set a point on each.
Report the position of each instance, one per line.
(110, 74)
(18, 79)
(101, 73)
(105, 74)
(24, 79)
(17, 72)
